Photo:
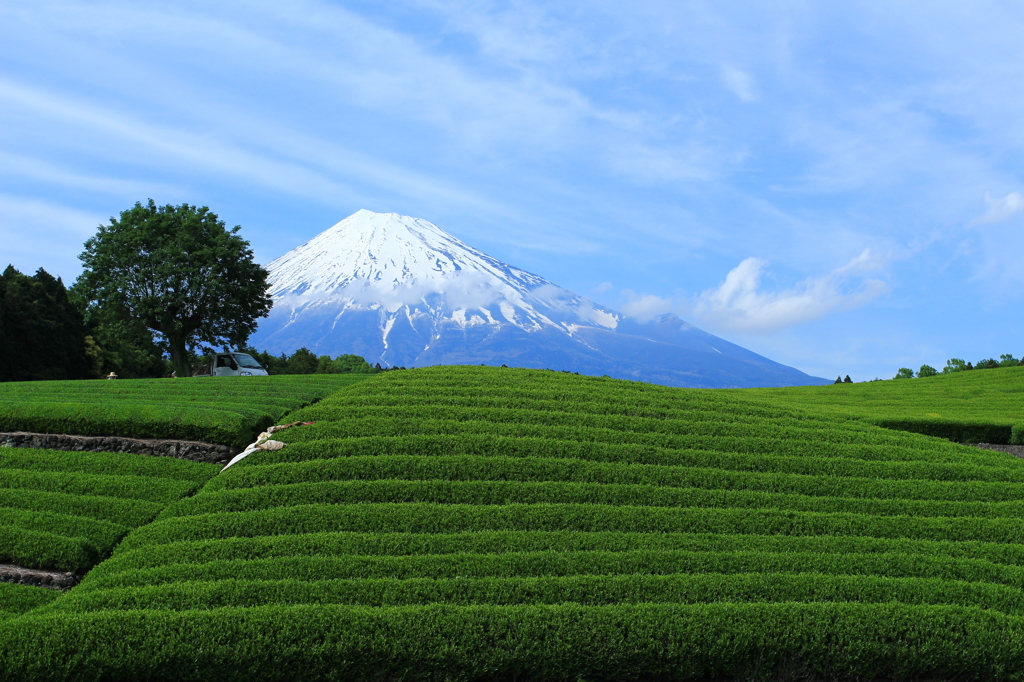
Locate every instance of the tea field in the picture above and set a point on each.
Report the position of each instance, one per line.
(213, 410)
(67, 510)
(981, 406)
(472, 523)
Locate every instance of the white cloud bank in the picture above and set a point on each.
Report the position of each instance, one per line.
(1001, 209)
(739, 306)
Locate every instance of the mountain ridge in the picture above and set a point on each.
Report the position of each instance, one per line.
(401, 291)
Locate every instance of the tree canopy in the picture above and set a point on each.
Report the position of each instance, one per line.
(41, 332)
(179, 271)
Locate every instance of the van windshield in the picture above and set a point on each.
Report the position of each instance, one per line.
(246, 360)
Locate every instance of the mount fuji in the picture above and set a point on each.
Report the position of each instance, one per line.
(401, 291)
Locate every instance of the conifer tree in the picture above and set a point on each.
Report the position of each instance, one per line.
(42, 335)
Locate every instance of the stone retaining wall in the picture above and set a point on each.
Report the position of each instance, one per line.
(195, 451)
(55, 580)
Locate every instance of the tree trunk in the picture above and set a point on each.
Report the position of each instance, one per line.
(179, 355)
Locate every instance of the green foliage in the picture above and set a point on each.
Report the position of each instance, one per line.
(724, 640)
(119, 344)
(304, 361)
(343, 364)
(179, 271)
(1007, 360)
(904, 373)
(960, 405)
(67, 510)
(489, 523)
(954, 365)
(926, 371)
(41, 333)
(17, 599)
(227, 410)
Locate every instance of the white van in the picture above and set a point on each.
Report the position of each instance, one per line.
(233, 365)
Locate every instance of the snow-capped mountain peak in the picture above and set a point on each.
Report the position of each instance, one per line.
(405, 265)
(401, 291)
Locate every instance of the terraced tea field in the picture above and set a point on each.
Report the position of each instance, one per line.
(214, 410)
(981, 406)
(67, 510)
(482, 523)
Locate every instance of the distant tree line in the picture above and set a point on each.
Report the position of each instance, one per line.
(305, 361)
(954, 365)
(50, 332)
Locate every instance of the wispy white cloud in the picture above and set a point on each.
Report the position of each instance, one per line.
(1001, 209)
(740, 305)
(739, 82)
(22, 167)
(36, 233)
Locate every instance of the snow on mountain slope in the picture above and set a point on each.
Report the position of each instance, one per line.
(403, 292)
(404, 266)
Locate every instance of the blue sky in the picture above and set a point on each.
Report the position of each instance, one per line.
(838, 186)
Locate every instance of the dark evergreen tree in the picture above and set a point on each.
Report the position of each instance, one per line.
(302, 361)
(42, 334)
(839, 380)
(847, 380)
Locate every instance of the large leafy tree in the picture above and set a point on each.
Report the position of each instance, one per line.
(179, 271)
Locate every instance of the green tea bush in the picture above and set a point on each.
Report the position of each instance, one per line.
(16, 599)
(220, 410)
(960, 406)
(618, 642)
(493, 523)
(55, 512)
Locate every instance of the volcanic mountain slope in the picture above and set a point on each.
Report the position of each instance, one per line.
(403, 292)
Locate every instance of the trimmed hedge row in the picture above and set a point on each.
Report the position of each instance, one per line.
(31, 548)
(448, 518)
(782, 426)
(549, 563)
(126, 486)
(482, 446)
(484, 493)
(589, 590)
(565, 641)
(100, 464)
(124, 512)
(228, 411)
(972, 406)
(504, 542)
(52, 515)
(104, 533)
(957, 431)
(134, 421)
(483, 468)
(16, 599)
(909, 449)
